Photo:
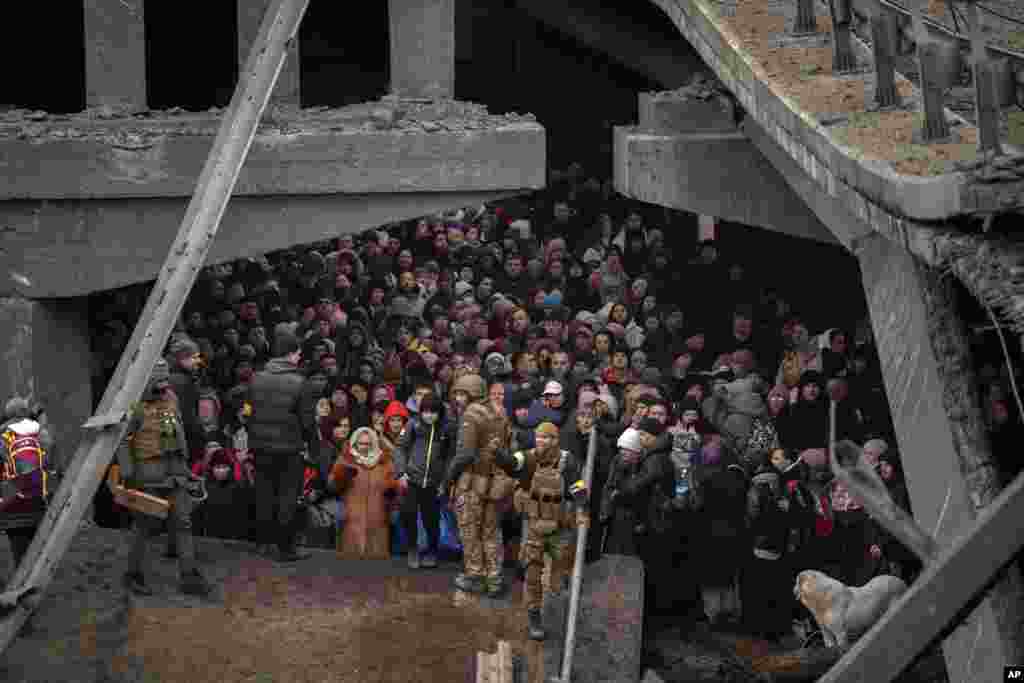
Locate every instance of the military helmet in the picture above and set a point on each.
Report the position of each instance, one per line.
(547, 429)
(473, 384)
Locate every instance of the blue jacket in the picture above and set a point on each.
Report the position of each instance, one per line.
(541, 413)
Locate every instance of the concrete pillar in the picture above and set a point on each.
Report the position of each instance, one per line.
(422, 43)
(61, 360)
(897, 286)
(250, 17)
(115, 54)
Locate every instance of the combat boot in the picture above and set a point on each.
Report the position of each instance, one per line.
(413, 560)
(536, 626)
(469, 584)
(194, 583)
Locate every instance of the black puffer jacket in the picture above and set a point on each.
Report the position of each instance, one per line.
(275, 427)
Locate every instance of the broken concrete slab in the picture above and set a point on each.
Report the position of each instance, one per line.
(73, 248)
(381, 146)
(609, 630)
(714, 173)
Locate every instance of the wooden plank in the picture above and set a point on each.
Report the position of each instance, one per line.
(504, 661)
(197, 232)
(482, 667)
(938, 595)
(115, 54)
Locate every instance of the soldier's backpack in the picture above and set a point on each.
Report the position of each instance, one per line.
(23, 484)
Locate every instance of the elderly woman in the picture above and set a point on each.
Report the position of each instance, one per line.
(365, 479)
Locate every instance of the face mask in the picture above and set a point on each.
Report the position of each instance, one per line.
(429, 418)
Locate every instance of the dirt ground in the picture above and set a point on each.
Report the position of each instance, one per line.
(804, 74)
(317, 620)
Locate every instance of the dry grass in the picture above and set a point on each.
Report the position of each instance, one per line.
(805, 76)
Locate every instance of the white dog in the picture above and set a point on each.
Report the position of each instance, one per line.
(844, 613)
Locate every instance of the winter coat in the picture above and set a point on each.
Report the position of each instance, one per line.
(541, 413)
(226, 511)
(366, 533)
(276, 424)
(628, 493)
(767, 519)
(721, 524)
(418, 444)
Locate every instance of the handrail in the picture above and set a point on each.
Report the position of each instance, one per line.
(1015, 58)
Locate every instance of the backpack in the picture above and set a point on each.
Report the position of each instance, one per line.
(23, 476)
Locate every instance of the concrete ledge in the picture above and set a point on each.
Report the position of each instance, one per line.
(387, 147)
(609, 626)
(884, 199)
(677, 113)
(73, 247)
(714, 173)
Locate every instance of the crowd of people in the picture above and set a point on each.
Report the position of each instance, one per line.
(316, 393)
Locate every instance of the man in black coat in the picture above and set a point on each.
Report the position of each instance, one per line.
(277, 440)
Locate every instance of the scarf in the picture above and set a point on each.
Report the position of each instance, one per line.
(370, 460)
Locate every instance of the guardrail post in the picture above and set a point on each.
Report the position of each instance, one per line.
(883, 34)
(935, 128)
(986, 103)
(805, 23)
(843, 58)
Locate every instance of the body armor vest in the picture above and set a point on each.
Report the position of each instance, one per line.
(546, 486)
(493, 432)
(158, 432)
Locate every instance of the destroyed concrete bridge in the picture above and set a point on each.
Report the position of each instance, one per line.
(90, 200)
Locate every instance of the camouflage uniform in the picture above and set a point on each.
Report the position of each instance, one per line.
(479, 483)
(549, 481)
(153, 459)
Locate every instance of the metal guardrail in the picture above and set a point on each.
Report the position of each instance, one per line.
(1009, 63)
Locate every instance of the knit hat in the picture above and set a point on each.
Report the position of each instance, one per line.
(547, 428)
(160, 373)
(651, 426)
(497, 365)
(630, 440)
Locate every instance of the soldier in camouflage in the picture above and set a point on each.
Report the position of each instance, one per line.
(478, 474)
(549, 478)
(153, 458)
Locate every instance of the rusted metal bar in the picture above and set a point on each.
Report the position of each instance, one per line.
(185, 259)
(937, 597)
